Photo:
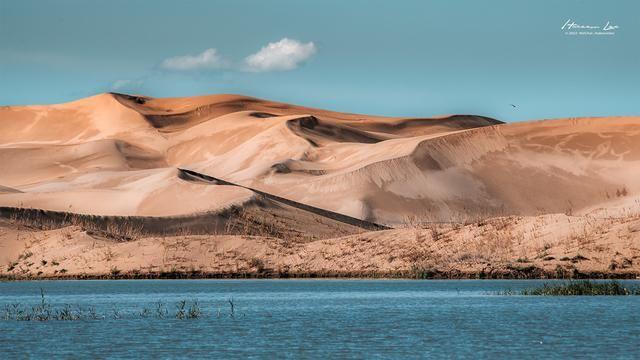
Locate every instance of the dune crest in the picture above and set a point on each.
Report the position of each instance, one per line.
(122, 151)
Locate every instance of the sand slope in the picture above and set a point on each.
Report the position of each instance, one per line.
(521, 247)
(115, 154)
(567, 186)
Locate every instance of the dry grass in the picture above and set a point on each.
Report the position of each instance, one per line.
(551, 245)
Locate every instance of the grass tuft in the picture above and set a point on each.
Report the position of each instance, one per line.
(44, 311)
(580, 288)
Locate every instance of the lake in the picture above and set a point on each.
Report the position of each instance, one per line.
(319, 319)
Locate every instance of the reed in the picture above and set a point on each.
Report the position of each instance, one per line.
(580, 288)
(45, 311)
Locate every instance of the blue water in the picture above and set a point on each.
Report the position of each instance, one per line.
(322, 319)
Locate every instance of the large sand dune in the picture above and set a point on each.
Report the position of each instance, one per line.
(115, 154)
(120, 155)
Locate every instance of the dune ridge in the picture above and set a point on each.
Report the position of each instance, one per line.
(113, 139)
(124, 156)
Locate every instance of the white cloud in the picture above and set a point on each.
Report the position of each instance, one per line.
(126, 84)
(285, 54)
(208, 59)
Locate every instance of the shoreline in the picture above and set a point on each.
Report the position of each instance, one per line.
(450, 275)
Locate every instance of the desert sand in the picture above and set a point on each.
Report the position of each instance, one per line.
(228, 185)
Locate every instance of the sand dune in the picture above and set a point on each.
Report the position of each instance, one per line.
(374, 168)
(82, 153)
(500, 170)
(120, 155)
(514, 247)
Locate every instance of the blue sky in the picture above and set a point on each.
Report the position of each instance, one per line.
(401, 58)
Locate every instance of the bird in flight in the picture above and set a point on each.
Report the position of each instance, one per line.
(512, 105)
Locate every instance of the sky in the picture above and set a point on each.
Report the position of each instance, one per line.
(510, 60)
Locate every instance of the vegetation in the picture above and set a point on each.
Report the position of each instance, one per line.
(579, 288)
(45, 311)
(114, 271)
